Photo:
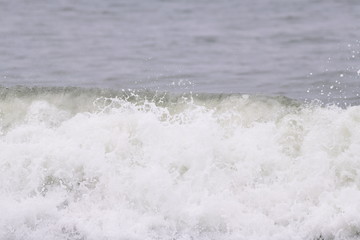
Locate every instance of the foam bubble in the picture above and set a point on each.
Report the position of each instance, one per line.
(206, 167)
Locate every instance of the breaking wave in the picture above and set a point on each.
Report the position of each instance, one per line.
(100, 164)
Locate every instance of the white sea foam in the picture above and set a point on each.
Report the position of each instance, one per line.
(215, 167)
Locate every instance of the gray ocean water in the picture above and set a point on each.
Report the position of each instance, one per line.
(299, 49)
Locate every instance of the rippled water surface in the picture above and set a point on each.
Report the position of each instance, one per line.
(268, 47)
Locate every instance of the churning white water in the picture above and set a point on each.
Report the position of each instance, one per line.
(84, 164)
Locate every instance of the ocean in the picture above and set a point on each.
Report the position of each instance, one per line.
(180, 120)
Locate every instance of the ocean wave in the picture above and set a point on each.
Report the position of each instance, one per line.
(105, 164)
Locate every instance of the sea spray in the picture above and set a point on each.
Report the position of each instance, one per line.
(96, 164)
